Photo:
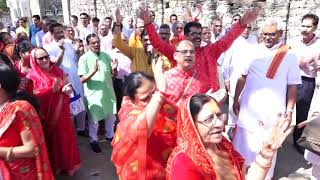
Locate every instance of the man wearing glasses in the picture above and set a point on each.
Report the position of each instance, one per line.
(268, 86)
(205, 57)
(307, 48)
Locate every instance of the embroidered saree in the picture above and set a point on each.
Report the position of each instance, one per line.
(55, 112)
(134, 154)
(190, 160)
(16, 117)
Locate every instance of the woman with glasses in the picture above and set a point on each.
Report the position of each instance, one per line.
(202, 151)
(144, 137)
(52, 90)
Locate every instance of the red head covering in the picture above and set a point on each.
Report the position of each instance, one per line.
(42, 80)
(190, 143)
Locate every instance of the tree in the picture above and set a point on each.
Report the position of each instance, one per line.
(3, 6)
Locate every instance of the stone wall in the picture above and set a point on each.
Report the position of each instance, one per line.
(211, 8)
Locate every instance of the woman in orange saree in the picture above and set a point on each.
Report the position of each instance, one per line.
(23, 152)
(51, 88)
(203, 153)
(144, 137)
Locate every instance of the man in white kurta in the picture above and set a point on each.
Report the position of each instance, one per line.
(263, 98)
(234, 58)
(63, 54)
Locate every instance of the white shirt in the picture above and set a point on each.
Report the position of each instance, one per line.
(106, 43)
(124, 63)
(84, 32)
(262, 98)
(308, 55)
(69, 63)
(235, 57)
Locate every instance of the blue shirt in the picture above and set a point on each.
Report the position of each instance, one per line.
(33, 31)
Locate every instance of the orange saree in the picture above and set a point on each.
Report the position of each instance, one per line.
(16, 117)
(190, 160)
(134, 154)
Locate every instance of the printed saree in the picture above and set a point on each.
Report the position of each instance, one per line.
(16, 117)
(55, 112)
(191, 153)
(134, 154)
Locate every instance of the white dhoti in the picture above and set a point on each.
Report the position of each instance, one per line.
(248, 144)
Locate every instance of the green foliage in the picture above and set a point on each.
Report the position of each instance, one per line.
(3, 6)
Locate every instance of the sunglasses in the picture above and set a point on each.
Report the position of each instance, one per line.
(191, 51)
(236, 19)
(43, 58)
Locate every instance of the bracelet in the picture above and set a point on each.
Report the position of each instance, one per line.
(265, 156)
(8, 155)
(261, 166)
(158, 96)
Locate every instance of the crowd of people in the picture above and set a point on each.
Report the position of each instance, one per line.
(158, 91)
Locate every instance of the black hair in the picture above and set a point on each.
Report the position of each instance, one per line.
(236, 16)
(90, 36)
(10, 81)
(197, 101)
(95, 19)
(54, 25)
(173, 15)
(189, 25)
(114, 26)
(133, 82)
(108, 17)
(45, 17)
(5, 59)
(164, 26)
(314, 17)
(23, 47)
(36, 16)
(77, 40)
(84, 14)
(2, 35)
(74, 17)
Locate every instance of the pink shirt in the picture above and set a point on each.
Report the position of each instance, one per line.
(308, 56)
(124, 63)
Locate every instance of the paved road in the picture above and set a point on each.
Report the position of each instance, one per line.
(291, 165)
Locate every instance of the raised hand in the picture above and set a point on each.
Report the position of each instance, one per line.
(158, 74)
(96, 67)
(145, 16)
(278, 134)
(119, 17)
(236, 107)
(114, 63)
(250, 16)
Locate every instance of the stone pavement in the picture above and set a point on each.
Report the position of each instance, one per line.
(291, 165)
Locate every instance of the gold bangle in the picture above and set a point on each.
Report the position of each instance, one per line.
(266, 156)
(262, 166)
(8, 155)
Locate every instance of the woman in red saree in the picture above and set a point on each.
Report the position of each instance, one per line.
(144, 137)
(23, 152)
(203, 153)
(51, 88)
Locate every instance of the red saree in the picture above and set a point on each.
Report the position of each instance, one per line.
(190, 160)
(57, 123)
(136, 156)
(16, 117)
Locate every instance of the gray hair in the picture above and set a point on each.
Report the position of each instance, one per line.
(274, 22)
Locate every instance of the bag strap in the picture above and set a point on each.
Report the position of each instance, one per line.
(277, 59)
(187, 88)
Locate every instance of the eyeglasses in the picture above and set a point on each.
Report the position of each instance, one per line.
(270, 34)
(236, 19)
(185, 51)
(304, 26)
(43, 57)
(195, 33)
(213, 119)
(166, 34)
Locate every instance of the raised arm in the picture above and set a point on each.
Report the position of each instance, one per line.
(162, 46)
(123, 47)
(226, 41)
